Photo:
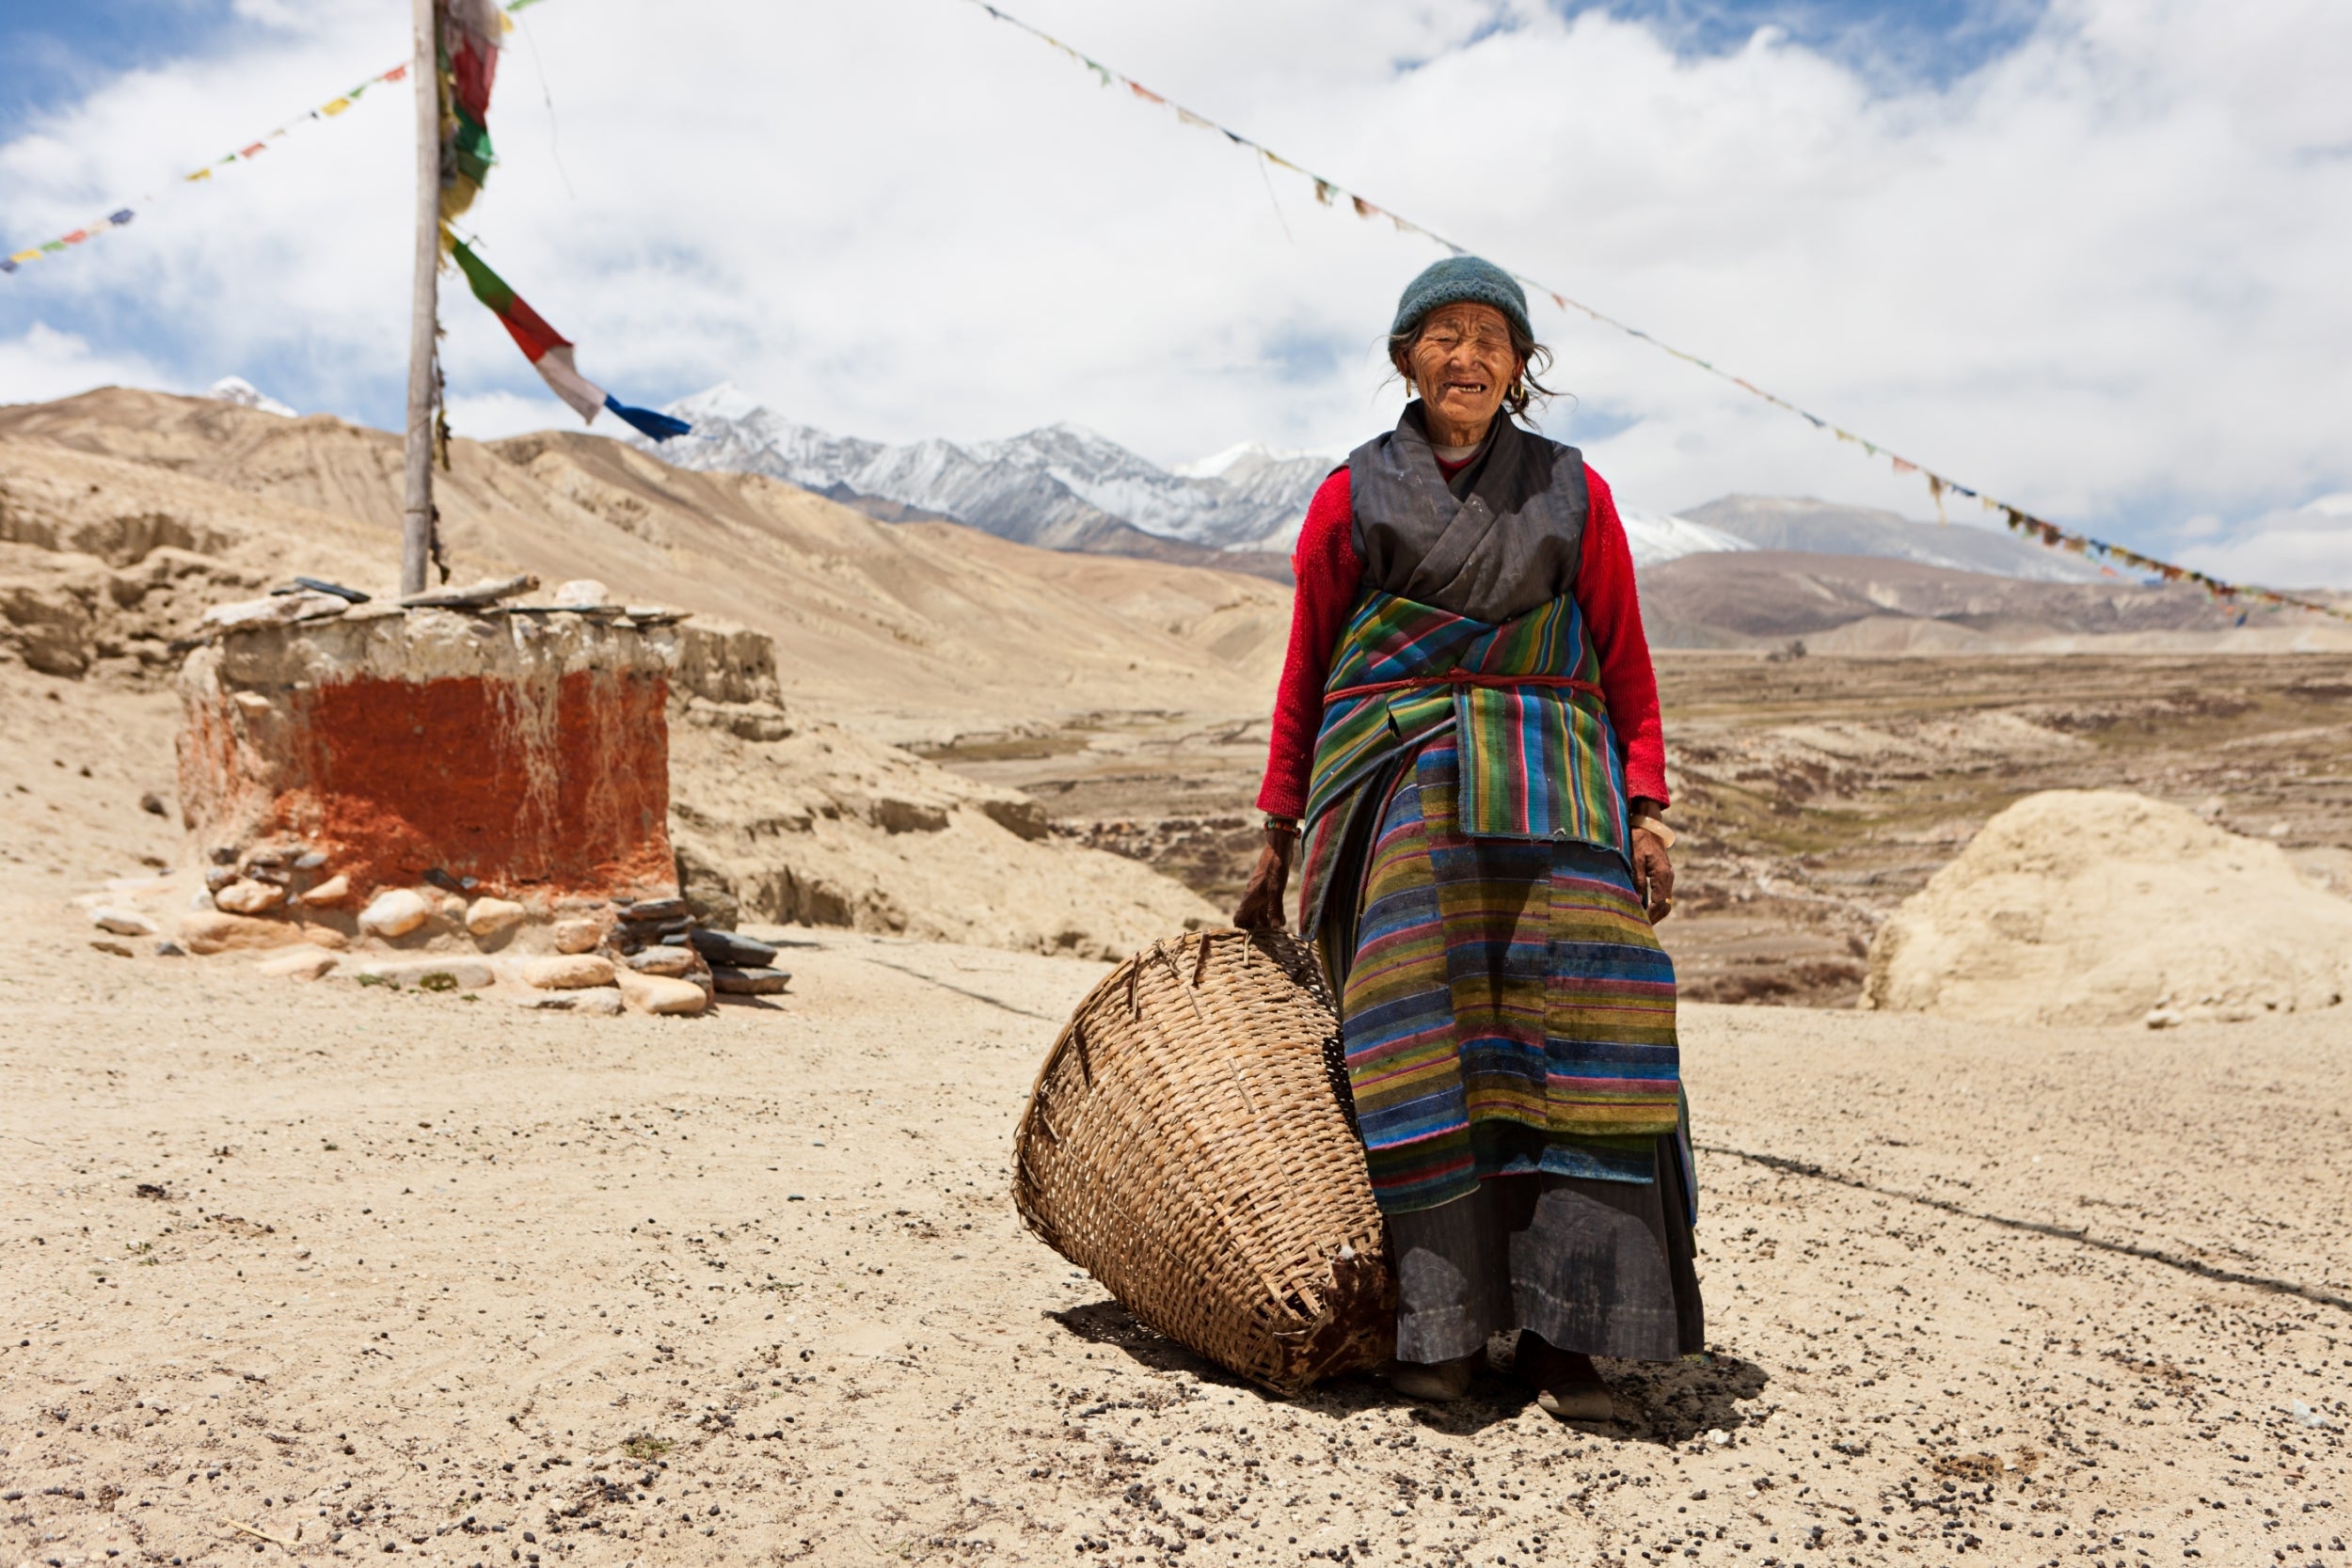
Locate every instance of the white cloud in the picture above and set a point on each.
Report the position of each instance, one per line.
(42, 363)
(2099, 276)
(2310, 546)
(489, 415)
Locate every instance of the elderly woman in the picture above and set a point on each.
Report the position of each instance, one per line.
(1467, 764)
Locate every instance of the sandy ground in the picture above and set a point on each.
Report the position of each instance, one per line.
(320, 1272)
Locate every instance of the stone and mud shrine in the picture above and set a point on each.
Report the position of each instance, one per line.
(468, 797)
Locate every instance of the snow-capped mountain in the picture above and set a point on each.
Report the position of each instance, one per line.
(1061, 486)
(237, 390)
(1064, 486)
(1655, 536)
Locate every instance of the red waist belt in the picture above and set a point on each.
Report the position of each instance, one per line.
(1468, 677)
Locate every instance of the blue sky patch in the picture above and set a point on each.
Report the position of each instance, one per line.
(52, 56)
(1892, 45)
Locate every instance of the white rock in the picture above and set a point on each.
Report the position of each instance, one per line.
(582, 594)
(306, 962)
(487, 917)
(657, 994)
(248, 896)
(569, 971)
(332, 891)
(394, 912)
(577, 935)
(122, 923)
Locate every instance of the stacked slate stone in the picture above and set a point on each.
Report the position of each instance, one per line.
(738, 965)
(652, 939)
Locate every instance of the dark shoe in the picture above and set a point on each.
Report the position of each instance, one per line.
(1438, 1381)
(1567, 1386)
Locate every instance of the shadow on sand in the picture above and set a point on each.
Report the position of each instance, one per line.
(1665, 1402)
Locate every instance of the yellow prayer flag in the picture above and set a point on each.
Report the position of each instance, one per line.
(25, 256)
(200, 174)
(335, 106)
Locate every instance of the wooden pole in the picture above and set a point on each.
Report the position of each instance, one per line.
(416, 529)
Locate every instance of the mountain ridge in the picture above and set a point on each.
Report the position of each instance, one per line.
(1802, 525)
(1066, 487)
(1063, 487)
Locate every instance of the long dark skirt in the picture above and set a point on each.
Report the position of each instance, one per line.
(1585, 1241)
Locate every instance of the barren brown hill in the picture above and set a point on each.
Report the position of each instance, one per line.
(123, 514)
(912, 631)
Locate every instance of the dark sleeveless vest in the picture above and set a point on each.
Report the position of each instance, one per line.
(1502, 539)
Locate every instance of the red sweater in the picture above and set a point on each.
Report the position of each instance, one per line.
(1329, 574)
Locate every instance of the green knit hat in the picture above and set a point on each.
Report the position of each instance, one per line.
(1460, 280)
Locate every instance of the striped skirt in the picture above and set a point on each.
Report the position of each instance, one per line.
(1506, 1008)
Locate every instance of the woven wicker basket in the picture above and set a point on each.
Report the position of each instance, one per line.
(1189, 1144)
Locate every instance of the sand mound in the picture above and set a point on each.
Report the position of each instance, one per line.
(2105, 907)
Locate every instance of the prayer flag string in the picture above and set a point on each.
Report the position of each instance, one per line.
(472, 160)
(1328, 191)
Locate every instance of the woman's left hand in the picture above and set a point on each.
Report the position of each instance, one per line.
(1260, 907)
(1653, 874)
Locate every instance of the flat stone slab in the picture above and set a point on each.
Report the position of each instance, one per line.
(736, 951)
(749, 982)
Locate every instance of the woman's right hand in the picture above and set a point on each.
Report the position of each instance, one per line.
(1260, 906)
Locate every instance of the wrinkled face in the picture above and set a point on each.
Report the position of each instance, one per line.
(1461, 364)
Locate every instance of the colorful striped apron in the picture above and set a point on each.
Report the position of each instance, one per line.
(1505, 1005)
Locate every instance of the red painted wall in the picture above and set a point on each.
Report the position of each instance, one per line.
(392, 778)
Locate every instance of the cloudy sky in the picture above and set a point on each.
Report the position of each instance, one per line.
(2088, 255)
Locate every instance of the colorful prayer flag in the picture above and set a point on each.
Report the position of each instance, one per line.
(469, 54)
(550, 353)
